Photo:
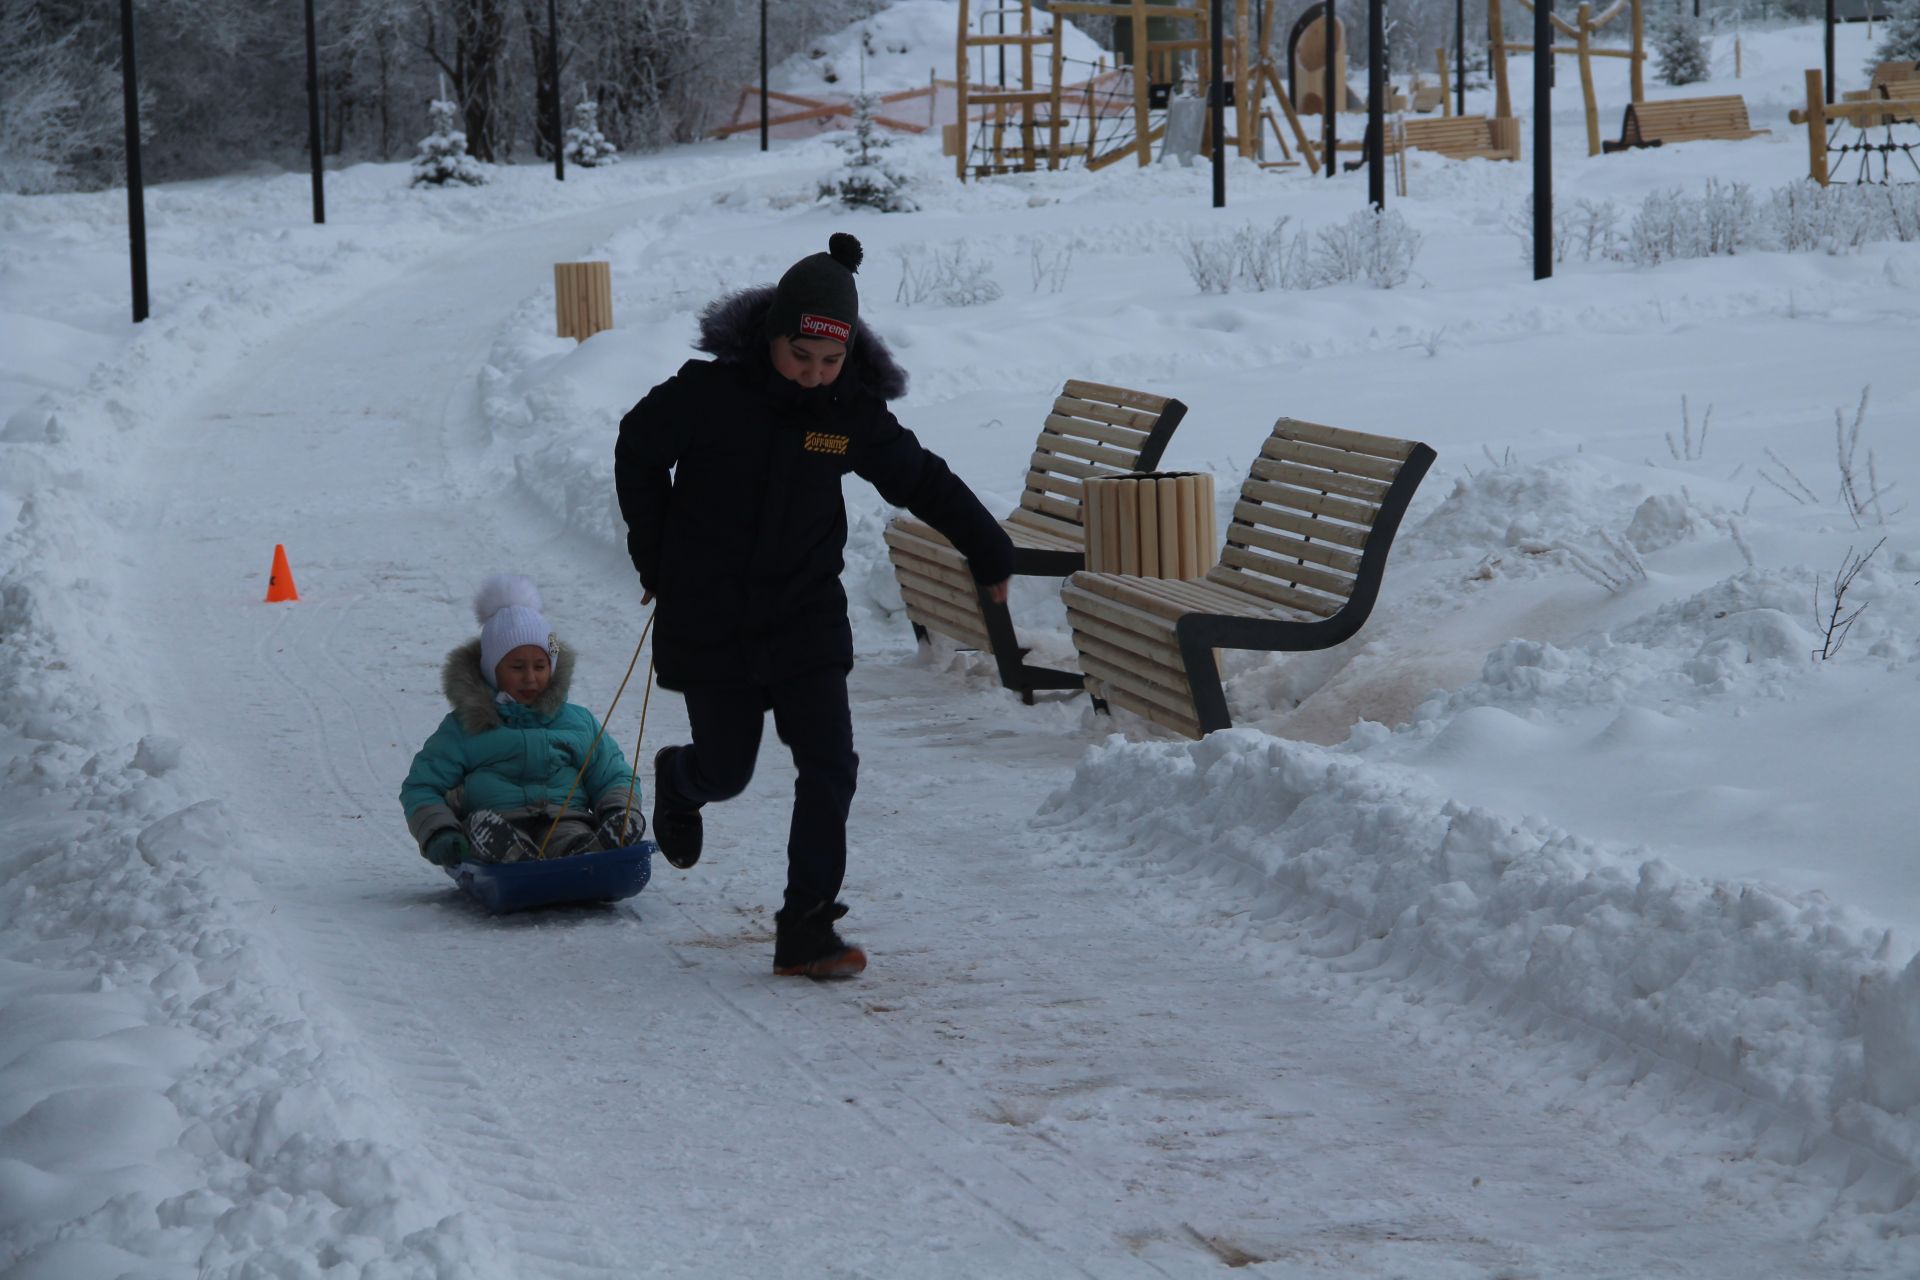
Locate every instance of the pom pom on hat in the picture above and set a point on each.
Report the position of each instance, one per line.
(845, 250)
(508, 608)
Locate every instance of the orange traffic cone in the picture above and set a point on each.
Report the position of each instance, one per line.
(280, 581)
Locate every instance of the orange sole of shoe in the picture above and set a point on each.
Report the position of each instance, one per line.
(845, 965)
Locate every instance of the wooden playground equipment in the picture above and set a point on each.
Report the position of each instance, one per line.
(1582, 29)
(1887, 110)
(1110, 114)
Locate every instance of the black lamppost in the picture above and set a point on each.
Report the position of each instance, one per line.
(1376, 103)
(553, 61)
(1459, 57)
(313, 121)
(1830, 20)
(1332, 147)
(1217, 105)
(1542, 139)
(763, 75)
(136, 190)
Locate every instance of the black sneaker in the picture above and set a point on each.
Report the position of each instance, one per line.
(805, 944)
(676, 828)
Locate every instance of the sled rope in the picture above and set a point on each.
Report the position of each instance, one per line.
(605, 720)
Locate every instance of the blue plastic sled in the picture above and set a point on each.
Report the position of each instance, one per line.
(585, 877)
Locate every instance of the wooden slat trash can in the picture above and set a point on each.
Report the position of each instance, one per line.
(1155, 524)
(582, 298)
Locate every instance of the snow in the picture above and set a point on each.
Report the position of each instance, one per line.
(1542, 929)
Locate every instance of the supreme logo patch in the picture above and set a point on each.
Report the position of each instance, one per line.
(825, 442)
(812, 326)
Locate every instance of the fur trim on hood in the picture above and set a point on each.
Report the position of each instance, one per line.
(472, 698)
(732, 331)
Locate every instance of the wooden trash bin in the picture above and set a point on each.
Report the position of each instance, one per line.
(582, 298)
(1152, 524)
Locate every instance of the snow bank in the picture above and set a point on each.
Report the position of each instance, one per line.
(175, 1099)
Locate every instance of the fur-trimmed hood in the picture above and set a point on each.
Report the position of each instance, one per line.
(733, 331)
(476, 702)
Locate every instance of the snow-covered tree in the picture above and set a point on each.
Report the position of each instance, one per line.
(1902, 42)
(586, 145)
(443, 154)
(1680, 43)
(865, 179)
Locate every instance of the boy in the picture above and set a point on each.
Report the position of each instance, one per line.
(494, 777)
(729, 479)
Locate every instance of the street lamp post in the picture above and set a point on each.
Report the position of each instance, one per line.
(1331, 154)
(1460, 57)
(1542, 139)
(136, 190)
(763, 75)
(1217, 104)
(1376, 103)
(553, 63)
(313, 122)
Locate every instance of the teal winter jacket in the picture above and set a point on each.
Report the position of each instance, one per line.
(517, 760)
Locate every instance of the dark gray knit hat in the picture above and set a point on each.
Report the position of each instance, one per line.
(817, 297)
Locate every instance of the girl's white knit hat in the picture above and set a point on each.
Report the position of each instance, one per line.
(508, 607)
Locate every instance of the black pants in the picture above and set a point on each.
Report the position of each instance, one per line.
(811, 715)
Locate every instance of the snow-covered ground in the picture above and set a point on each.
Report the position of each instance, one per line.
(1542, 930)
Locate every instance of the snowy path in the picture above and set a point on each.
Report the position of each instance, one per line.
(1036, 1078)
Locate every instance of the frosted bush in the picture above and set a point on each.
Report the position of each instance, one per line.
(1379, 248)
(944, 278)
(1373, 245)
(1804, 218)
(586, 145)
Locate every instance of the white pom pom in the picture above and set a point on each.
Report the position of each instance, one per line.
(502, 591)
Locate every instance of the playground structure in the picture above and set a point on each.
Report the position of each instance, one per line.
(1887, 109)
(1110, 114)
(1582, 29)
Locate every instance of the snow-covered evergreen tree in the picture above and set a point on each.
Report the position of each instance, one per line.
(586, 145)
(1680, 43)
(1902, 42)
(866, 179)
(443, 154)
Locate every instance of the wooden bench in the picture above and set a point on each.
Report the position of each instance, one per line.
(1654, 124)
(1092, 431)
(1301, 568)
(1456, 137)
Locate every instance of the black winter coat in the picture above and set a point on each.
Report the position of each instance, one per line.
(729, 479)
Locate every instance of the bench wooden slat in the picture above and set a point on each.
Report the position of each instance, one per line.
(1161, 664)
(1069, 532)
(1120, 697)
(1152, 629)
(1046, 504)
(1316, 480)
(1254, 584)
(1128, 592)
(1079, 389)
(942, 615)
(1289, 573)
(1252, 514)
(1124, 438)
(950, 577)
(1344, 439)
(1051, 442)
(1121, 676)
(1303, 453)
(1081, 413)
(1285, 544)
(1358, 514)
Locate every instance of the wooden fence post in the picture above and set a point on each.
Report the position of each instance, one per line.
(582, 298)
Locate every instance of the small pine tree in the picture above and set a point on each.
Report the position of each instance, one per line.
(443, 154)
(865, 179)
(1902, 42)
(1680, 42)
(586, 145)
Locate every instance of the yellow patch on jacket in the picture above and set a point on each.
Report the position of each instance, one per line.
(825, 442)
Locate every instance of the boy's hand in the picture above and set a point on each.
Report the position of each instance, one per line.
(646, 597)
(999, 591)
(446, 849)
